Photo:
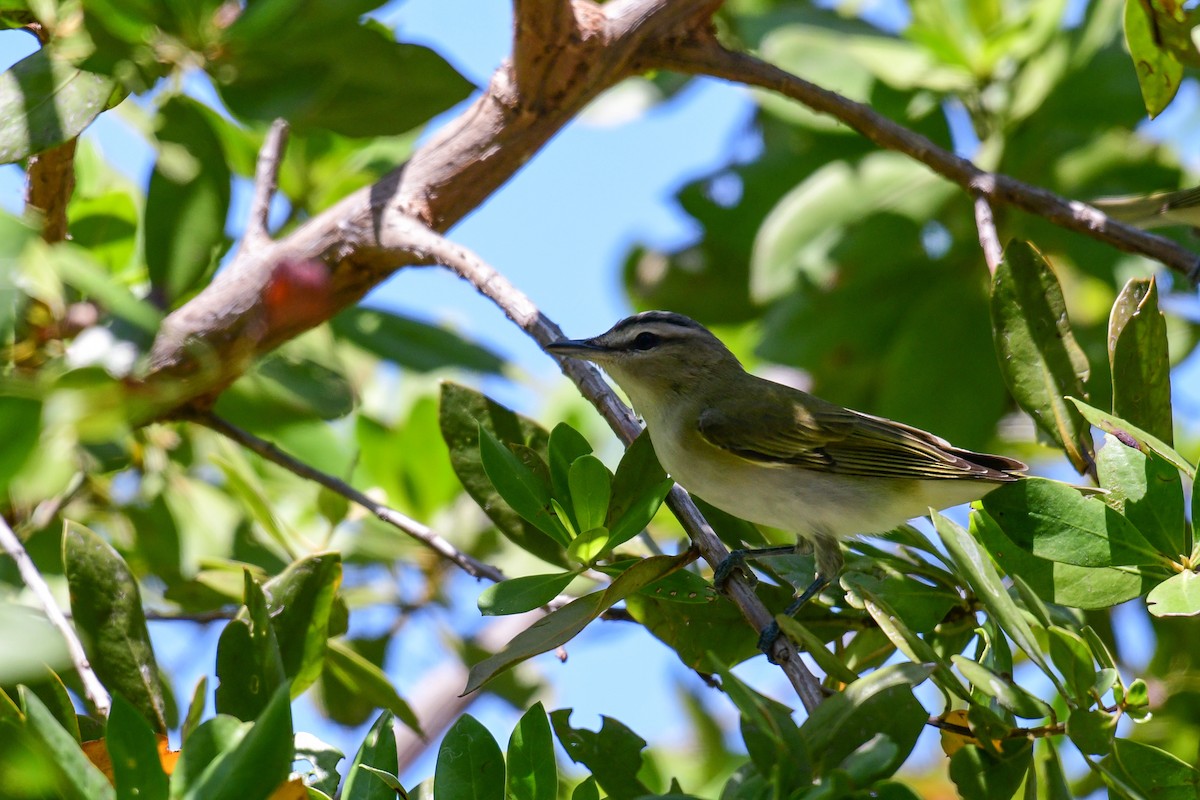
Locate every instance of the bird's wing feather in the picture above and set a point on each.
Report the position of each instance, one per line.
(791, 428)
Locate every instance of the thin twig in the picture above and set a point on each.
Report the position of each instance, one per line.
(989, 240)
(521, 310)
(706, 56)
(92, 687)
(266, 181)
(416, 530)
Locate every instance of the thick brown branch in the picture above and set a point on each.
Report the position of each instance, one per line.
(707, 57)
(49, 183)
(521, 310)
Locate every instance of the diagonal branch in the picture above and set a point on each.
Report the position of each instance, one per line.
(432, 246)
(266, 181)
(706, 56)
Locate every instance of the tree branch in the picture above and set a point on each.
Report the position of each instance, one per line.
(266, 181)
(92, 687)
(706, 56)
(989, 240)
(520, 309)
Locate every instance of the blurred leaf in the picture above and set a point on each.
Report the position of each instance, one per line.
(561, 625)
(1159, 72)
(249, 666)
(411, 343)
(532, 771)
(1147, 491)
(1092, 730)
(590, 483)
(137, 768)
(773, 740)
(586, 790)
(186, 203)
(1153, 772)
(980, 775)
(1039, 357)
(78, 778)
(1133, 436)
(828, 662)
(378, 752)
(1055, 521)
(1141, 368)
(322, 774)
(368, 681)
(195, 711)
(107, 609)
(1177, 596)
(463, 412)
(469, 763)
(44, 101)
(613, 754)
(42, 646)
(277, 63)
(1056, 582)
(300, 600)
(518, 595)
(20, 430)
(1073, 658)
(282, 390)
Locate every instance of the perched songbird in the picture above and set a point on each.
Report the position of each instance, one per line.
(775, 455)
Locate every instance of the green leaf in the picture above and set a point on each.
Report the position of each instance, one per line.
(589, 545)
(137, 767)
(980, 775)
(586, 790)
(249, 667)
(79, 778)
(561, 625)
(259, 761)
(410, 343)
(20, 430)
(638, 470)
(696, 630)
(1040, 360)
(532, 772)
(1159, 72)
(1051, 780)
(1002, 689)
(1092, 730)
(639, 513)
(283, 390)
(772, 738)
(590, 483)
(566, 445)
(1054, 521)
(1151, 771)
(1177, 596)
(44, 101)
(462, 412)
(521, 487)
(1133, 436)
(107, 609)
(469, 763)
(300, 600)
(1147, 491)
(613, 754)
(1141, 367)
(1071, 654)
(369, 681)
(922, 606)
(195, 711)
(518, 595)
(186, 204)
(378, 752)
(322, 774)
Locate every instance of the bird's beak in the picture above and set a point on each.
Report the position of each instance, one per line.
(577, 348)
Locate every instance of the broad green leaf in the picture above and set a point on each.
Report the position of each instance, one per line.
(586, 790)
(1051, 780)
(213, 737)
(293, 59)
(1133, 436)
(639, 513)
(696, 630)
(563, 624)
(1141, 368)
(921, 606)
(378, 752)
(566, 445)
(322, 758)
(137, 767)
(980, 775)
(469, 763)
(589, 545)
(1054, 521)
(809, 643)
(1041, 362)
(283, 390)
(44, 101)
(107, 608)
(20, 430)
(257, 764)
(772, 738)
(249, 667)
(410, 343)
(1159, 72)
(195, 711)
(1091, 730)
(613, 754)
(639, 469)
(301, 600)
(1154, 772)
(42, 645)
(1071, 654)
(389, 780)
(521, 487)
(1055, 582)
(462, 412)
(1003, 690)
(79, 778)
(186, 204)
(532, 772)
(590, 483)
(1147, 491)
(1177, 596)
(518, 595)
(244, 485)
(369, 681)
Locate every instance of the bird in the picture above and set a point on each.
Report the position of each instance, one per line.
(775, 455)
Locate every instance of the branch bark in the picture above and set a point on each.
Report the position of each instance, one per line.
(266, 181)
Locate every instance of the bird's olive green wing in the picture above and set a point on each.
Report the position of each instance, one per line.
(789, 428)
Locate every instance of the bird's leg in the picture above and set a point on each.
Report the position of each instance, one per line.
(829, 564)
(736, 560)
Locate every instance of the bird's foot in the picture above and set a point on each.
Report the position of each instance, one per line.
(767, 638)
(736, 562)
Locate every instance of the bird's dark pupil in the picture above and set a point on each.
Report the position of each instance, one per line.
(645, 340)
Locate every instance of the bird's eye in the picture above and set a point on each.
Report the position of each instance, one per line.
(645, 341)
